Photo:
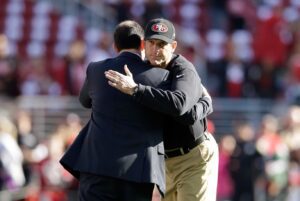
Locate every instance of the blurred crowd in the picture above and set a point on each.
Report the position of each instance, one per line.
(256, 163)
(31, 163)
(261, 164)
(241, 49)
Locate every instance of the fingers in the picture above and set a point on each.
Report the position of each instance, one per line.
(124, 83)
(115, 85)
(113, 73)
(114, 80)
(119, 86)
(113, 76)
(110, 77)
(112, 84)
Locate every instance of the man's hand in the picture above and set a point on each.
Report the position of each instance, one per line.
(123, 83)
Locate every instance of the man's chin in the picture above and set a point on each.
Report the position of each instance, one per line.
(156, 63)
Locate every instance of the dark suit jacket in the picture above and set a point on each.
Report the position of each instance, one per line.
(123, 139)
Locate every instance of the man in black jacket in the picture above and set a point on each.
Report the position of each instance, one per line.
(191, 152)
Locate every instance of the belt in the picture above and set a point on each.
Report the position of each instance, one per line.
(169, 153)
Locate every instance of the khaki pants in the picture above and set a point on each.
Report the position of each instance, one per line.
(193, 176)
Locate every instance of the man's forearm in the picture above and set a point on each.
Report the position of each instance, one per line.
(181, 96)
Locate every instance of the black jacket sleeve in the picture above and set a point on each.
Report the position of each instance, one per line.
(198, 112)
(184, 92)
(84, 97)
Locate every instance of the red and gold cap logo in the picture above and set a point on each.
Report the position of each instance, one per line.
(159, 27)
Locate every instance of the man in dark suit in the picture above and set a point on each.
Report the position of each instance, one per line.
(119, 155)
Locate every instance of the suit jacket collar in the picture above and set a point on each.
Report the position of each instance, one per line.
(130, 55)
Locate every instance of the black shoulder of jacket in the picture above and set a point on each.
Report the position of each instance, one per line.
(179, 61)
(102, 61)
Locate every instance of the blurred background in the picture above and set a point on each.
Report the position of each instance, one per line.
(247, 53)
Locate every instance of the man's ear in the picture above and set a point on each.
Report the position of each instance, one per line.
(142, 49)
(174, 45)
(142, 46)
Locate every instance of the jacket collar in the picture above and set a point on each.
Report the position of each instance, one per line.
(130, 55)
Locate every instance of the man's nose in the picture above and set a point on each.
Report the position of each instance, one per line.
(157, 49)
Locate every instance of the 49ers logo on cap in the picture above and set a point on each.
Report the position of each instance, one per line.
(159, 28)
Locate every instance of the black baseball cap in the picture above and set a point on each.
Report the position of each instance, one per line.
(161, 29)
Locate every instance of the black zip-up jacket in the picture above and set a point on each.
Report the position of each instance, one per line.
(180, 103)
(180, 133)
(184, 93)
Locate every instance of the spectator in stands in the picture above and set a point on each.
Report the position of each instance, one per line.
(275, 154)
(8, 70)
(102, 49)
(291, 80)
(291, 135)
(49, 175)
(153, 9)
(218, 14)
(75, 67)
(27, 141)
(271, 23)
(271, 37)
(35, 78)
(246, 164)
(225, 183)
(235, 73)
(11, 157)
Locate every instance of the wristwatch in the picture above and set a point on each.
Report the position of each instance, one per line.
(135, 90)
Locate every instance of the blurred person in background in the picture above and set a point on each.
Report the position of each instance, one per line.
(27, 141)
(291, 78)
(103, 48)
(235, 71)
(61, 183)
(291, 128)
(225, 183)
(73, 125)
(35, 78)
(218, 14)
(291, 136)
(54, 183)
(8, 70)
(275, 153)
(271, 43)
(75, 67)
(11, 157)
(153, 9)
(51, 181)
(246, 164)
(68, 72)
